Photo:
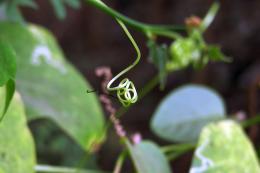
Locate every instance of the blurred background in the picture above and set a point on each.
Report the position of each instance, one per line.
(90, 39)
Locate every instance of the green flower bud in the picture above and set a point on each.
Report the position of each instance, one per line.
(183, 52)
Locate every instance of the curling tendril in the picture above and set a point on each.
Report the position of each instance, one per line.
(126, 91)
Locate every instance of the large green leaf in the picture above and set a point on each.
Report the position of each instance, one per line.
(7, 62)
(223, 147)
(148, 158)
(10, 89)
(7, 72)
(17, 153)
(51, 87)
(183, 113)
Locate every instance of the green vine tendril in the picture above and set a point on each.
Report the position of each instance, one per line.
(126, 91)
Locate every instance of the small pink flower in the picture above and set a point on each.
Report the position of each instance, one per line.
(240, 115)
(136, 138)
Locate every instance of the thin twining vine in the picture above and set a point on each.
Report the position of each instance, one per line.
(149, 30)
(126, 91)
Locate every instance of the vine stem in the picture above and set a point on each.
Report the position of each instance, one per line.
(176, 150)
(56, 169)
(119, 162)
(130, 66)
(148, 29)
(251, 121)
(126, 91)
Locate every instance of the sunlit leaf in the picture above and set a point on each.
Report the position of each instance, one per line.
(223, 147)
(184, 112)
(17, 153)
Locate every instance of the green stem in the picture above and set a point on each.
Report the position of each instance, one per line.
(175, 155)
(148, 29)
(177, 147)
(174, 151)
(250, 122)
(126, 91)
(56, 169)
(130, 66)
(210, 16)
(119, 162)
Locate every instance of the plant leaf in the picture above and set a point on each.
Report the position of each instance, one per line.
(223, 147)
(17, 152)
(13, 13)
(12, 9)
(210, 16)
(10, 89)
(73, 3)
(7, 62)
(7, 72)
(51, 87)
(59, 8)
(27, 3)
(214, 53)
(148, 158)
(159, 57)
(183, 113)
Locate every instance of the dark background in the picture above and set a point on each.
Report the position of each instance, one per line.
(90, 39)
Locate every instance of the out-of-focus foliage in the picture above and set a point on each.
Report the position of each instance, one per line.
(194, 51)
(13, 13)
(183, 51)
(184, 112)
(159, 56)
(148, 157)
(187, 50)
(60, 8)
(54, 147)
(50, 87)
(223, 147)
(17, 152)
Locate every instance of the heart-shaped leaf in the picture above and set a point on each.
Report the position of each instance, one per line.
(183, 113)
(223, 147)
(148, 158)
(17, 152)
(51, 87)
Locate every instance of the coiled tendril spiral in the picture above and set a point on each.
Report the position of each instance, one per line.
(126, 91)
